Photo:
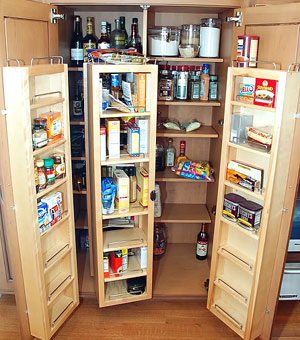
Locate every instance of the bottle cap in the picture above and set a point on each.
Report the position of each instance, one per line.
(213, 78)
(135, 20)
(192, 67)
(185, 68)
(39, 163)
(174, 67)
(131, 171)
(205, 68)
(48, 162)
(179, 68)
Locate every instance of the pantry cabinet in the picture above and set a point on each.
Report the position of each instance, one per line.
(185, 204)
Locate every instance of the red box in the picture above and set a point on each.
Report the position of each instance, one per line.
(116, 262)
(265, 92)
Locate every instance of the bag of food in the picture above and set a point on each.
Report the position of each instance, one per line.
(194, 170)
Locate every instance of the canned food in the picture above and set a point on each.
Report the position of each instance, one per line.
(247, 50)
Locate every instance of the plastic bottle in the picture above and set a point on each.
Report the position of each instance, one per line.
(204, 82)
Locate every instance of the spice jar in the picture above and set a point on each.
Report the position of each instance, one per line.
(182, 82)
(59, 165)
(42, 179)
(194, 87)
(213, 87)
(49, 170)
(39, 136)
(210, 37)
(165, 84)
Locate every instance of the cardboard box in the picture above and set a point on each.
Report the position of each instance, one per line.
(113, 137)
(265, 92)
(116, 262)
(142, 186)
(44, 219)
(55, 206)
(143, 124)
(106, 264)
(122, 196)
(139, 92)
(141, 254)
(133, 140)
(53, 125)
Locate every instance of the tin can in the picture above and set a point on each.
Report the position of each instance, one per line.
(247, 48)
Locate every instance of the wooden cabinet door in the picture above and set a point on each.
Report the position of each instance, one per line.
(25, 32)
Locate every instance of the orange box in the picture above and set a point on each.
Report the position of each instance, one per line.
(139, 98)
(53, 125)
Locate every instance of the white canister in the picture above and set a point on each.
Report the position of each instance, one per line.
(210, 37)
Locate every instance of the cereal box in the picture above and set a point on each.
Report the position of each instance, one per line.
(53, 125)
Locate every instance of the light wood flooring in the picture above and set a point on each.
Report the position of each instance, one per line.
(149, 320)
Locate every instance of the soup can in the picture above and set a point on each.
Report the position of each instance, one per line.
(247, 48)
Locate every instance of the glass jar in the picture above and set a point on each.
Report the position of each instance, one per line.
(163, 41)
(42, 178)
(59, 165)
(39, 136)
(213, 87)
(49, 170)
(189, 41)
(210, 37)
(165, 84)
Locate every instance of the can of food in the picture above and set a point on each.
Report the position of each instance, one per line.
(249, 215)
(247, 47)
(231, 206)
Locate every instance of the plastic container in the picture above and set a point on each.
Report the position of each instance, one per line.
(210, 37)
(163, 41)
(189, 41)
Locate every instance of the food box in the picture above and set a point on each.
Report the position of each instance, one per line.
(116, 262)
(122, 196)
(142, 186)
(141, 254)
(246, 90)
(143, 124)
(55, 206)
(53, 125)
(113, 137)
(265, 92)
(44, 218)
(133, 140)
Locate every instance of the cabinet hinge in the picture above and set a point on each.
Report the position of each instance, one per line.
(153, 195)
(4, 112)
(56, 16)
(145, 6)
(237, 19)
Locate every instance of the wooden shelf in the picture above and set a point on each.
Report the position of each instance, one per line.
(65, 217)
(202, 132)
(57, 285)
(253, 234)
(126, 159)
(55, 253)
(184, 213)
(188, 103)
(135, 209)
(77, 121)
(81, 221)
(115, 113)
(75, 69)
(134, 270)
(78, 158)
(46, 102)
(53, 187)
(178, 272)
(195, 60)
(59, 308)
(123, 239)
(49, 147)
(169, 176)
(237, 187)
(245, 147)
(237, 257)
(82, 192)
(253, 107)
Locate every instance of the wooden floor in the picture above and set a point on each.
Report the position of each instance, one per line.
(148, 320)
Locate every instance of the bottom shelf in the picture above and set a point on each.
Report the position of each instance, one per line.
(60, 308)
(179, 273)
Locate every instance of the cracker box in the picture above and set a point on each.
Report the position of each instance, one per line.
(44, 219)
(265, 92)
(53, 125)
(133, 140)
(122, 196)
(142, 186)
(55, 206)
(141, 254)
(113, 137)
(143, 124)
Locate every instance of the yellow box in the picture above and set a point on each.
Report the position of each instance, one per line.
(113, 137)
(122, 196)
(142, 186)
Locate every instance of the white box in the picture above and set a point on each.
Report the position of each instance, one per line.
(141, 255)
(113, 137)
(143, 124)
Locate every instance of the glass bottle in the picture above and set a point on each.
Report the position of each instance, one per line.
(89, 41)
(174, 77)
(202, 244)
(77, 103)
(160, 242)
(165, 84)
(108, 27)
(123, 28)
(182, 82)
(204, 82)
(181, 155)
(213, 87)
(160, 158)
(194, 87)
(77, 44)
(117, 39)
(133, 41)
(49, 170)
(138, 37)
(104, 41)
(132, 184)
(114, 85)
(170, 153)
(42, 179)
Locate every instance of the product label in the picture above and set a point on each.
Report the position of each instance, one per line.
(56, 127)
(50, 176)
(202, 248)
(77, 108)
(240, 47)
(59, 169)
(76, 53)
(170, 158)
(88, 46)
(41, 178)
(213, 91)
(265, 92)
(104, 45)
(195, 91)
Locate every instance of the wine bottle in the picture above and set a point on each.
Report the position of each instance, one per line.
(117, 39)
(77, 103)
(123, 28)
(202, 244)
(89, 41)
(133, 41)
(104, 41)
(138, 37)
(77, 44)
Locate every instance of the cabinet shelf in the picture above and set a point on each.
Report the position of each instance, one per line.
(117, 114)
(253, 107)
(60, 308)
(253, 234)
(78, 158)
(169, 176)
(57, 285)
(81, 221)
(237, 257)
(195, 60)
(135, 209)
(123, 239)
(49, 147)
(184, 213)
(53, 187)
(126, 159)
(81, 192)
(134, 270)
(65, 217)
(54, 254)
(46, 102)
(245, 147)
(77, 121)
(188, 103)
(75, 69)
(202, 132)
(237, 187)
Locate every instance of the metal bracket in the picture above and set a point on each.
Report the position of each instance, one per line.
(14, 59)
(4, 112)
(153, 195)
(294, 67)
(237, 19)
(60, 59)
(285, 209)
(145, 7)
(56, 16)
(254, 61)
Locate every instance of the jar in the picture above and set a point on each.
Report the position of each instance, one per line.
(49, 170)
(160, 239)
(59, 165)
(210, 37)
(189, 41)
(194, 87)
(42, 179)
(165, 84)
(246, 54)
(39, 136)
(36, 178)
(213, 87)
(160, 158)
(182, 82)
(163, 41)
